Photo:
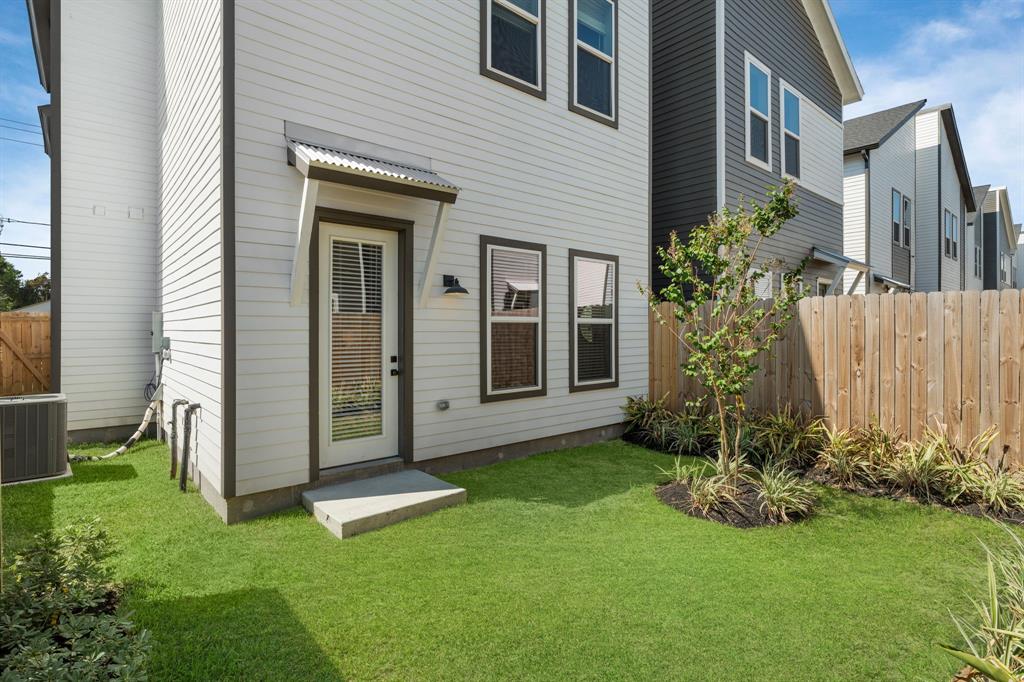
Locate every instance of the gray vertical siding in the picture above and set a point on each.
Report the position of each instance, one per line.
(779, 34)
(683, 127)
(900, 263)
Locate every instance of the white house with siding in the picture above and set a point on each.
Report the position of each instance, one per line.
(379, 235)
(879, 193)
(907, 200)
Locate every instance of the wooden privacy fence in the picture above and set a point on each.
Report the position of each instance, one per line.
(24, 353)
(953, 360)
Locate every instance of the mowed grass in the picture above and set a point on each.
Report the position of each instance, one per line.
(562, 566)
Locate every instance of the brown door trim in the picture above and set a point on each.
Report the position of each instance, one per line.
(404, 228)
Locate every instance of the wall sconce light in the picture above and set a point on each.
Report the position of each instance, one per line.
(452, 286)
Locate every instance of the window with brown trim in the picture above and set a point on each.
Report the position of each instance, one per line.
(593, 60)
(593, 321)
(512, 43)
(512, 319)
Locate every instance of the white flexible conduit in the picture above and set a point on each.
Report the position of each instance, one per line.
(146, 418)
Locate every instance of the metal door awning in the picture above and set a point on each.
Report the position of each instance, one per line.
(843, 263)
(319, 163)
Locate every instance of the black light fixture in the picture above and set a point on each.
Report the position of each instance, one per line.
(452, 286)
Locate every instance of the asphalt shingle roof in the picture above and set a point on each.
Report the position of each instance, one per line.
(870, 131)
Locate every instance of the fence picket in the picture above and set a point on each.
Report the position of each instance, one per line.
(906, 362)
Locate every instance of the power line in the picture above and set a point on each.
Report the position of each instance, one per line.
(26, 246)
(20, 130)
(24, 123)
(11, 139)
(24, 222)
(26, 256)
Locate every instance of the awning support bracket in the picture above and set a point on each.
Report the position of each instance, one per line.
(436, 243)
(300, 258)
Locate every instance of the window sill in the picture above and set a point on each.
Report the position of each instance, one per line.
(514, 395)
(593, 387)
(753, 161)
(539, 93)
(593, 115)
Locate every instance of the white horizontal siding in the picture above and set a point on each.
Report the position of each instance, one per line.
(190, 234)
(821, 152)
(952, 201)
(108, 165)
(929, 220)
(529, 169)
(855, 216)
(893, 166)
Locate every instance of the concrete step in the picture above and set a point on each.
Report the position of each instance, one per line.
(347, 509)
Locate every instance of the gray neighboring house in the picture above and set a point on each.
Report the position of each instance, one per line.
(745, 94)
(879, 189)
(1000, 236)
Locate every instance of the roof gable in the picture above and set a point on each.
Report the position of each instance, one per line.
(956, 148)
(825, 27)
(872, 130)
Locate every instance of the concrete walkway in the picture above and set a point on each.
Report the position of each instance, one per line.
(347, 509)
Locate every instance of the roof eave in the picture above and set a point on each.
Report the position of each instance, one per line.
(956, 146)
(832, 44)
(39, 23)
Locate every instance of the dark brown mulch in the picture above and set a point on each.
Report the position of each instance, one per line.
(745, 512)
(819, 475)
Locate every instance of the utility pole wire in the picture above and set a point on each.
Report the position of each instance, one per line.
(23, 222)
(24, 246)
(24, 123)
(11, 139)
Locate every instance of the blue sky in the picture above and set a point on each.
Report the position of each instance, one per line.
(24, 168)
(968, 52)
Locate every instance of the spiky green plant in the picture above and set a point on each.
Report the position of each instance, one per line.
(709, 494)
(640, 412)
(788, 437)
(844, 460)
(919, 468)
(995, 637)
(784, 495)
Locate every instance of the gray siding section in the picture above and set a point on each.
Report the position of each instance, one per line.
(901, 263)
(683, 119)
(990, 254)
(779, 34)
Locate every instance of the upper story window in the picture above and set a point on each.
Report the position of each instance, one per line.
(977, 250)
(790, 131)
(759, 113)
(512, 315)
(512, 43)
(593, 60)
(897, 216)
(907, 221)
(1003, 269)
(947, 231)
(955, 224)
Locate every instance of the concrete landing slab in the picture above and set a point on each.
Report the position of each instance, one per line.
(347, 509)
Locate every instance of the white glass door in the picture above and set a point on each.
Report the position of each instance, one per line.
(358, 344)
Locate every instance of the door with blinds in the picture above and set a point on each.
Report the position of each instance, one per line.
(358, 344)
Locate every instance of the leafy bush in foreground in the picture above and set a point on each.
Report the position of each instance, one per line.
(58, 617)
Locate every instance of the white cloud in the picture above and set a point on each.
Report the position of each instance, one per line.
(981, 72)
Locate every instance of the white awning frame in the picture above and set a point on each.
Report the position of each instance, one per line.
(323, 164)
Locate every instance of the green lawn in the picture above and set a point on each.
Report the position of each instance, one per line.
(561, 566)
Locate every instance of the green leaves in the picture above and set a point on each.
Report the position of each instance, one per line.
(713, 279)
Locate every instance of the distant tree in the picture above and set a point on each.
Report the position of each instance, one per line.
(35, 290)
(10, 285)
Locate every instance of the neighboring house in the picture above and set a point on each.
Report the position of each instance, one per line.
(945, 197)
(1019, 273)
(1000, 236)
(974, 276)
(746, 93)
(879, 189)
(305, 193)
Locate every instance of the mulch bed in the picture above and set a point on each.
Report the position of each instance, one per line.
(744, 513)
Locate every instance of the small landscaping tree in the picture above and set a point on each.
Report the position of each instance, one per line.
(724, 325)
